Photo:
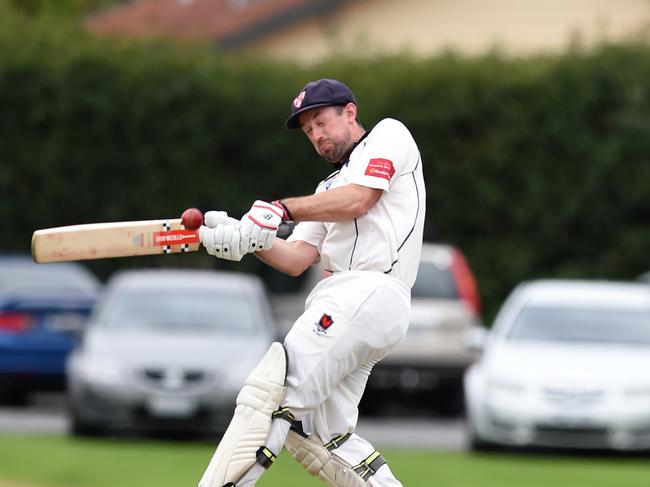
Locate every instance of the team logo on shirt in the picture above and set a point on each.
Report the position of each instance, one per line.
(323, 324)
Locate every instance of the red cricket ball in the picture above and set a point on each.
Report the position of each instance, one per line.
(192, 219)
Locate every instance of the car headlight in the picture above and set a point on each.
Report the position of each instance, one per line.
(103, 371)
(506, 385)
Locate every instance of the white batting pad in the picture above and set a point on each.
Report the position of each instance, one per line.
(251, 423)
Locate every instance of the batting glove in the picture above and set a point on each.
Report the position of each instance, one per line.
(260, 226)
(221, 236)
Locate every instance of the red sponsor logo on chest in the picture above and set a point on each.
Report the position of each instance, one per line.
(380, 168)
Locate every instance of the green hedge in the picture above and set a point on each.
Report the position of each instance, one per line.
(535, 167)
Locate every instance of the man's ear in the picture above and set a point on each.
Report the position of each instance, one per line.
(351, 111)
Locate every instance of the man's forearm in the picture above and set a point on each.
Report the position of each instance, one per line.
(292, 258)
(344, 203)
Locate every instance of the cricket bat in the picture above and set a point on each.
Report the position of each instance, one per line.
(118, 239)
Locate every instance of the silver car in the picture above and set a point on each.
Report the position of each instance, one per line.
(168, 350)
(426, 369)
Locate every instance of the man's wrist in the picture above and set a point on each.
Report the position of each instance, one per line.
(286, 214)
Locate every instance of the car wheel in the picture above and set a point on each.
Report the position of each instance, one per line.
(13, 394)
(448, 408)
(448, 402)
(371, 405)
(81, 428)
(476, 443)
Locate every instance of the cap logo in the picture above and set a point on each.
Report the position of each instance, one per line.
(298, 100)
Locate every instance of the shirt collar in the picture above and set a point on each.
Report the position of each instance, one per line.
(346, 158)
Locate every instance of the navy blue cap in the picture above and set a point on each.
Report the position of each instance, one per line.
(321, 93)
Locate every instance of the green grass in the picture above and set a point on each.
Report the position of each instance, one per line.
(67, 462)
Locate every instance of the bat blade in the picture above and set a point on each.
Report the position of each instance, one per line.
(107, 240)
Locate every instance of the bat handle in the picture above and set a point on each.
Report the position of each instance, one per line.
(285, 229)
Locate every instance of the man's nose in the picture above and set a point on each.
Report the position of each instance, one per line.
(316, 135)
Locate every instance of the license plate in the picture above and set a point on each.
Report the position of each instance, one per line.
(172, 407)
(65, 322)
(573, 422)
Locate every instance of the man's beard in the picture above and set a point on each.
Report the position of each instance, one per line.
(335, 152)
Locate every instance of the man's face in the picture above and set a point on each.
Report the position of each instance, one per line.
(330, 132)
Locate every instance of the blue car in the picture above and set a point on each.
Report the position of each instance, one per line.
(43, 307)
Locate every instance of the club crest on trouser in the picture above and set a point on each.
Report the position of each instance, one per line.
(323, 324)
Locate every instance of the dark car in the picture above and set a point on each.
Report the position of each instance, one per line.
(42, 309)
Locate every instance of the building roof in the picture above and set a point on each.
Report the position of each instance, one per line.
(230, 23)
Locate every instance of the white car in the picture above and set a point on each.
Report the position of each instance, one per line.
(566, 364)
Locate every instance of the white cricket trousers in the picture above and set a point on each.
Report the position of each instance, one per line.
(351, 321)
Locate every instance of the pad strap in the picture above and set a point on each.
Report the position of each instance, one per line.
(284, 413)
(265, 457)
(370, 465)
(337, 441)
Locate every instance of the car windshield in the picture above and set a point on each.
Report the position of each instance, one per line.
(181, 311)
(563, 324)
(434, 281)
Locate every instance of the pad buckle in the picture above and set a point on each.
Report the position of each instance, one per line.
(370, 465)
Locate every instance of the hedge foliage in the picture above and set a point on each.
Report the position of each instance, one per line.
(535, 167)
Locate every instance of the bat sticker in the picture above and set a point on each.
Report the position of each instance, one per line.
(175, 237)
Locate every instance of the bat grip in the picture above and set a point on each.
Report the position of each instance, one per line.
(285, 229)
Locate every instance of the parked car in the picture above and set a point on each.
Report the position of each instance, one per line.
(566, 364)
(426, 369)
(42, 309)
(168, 350)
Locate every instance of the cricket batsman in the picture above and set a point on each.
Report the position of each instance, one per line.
(364, 223)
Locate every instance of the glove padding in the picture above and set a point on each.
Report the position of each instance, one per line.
(259, 226)
(221, 236)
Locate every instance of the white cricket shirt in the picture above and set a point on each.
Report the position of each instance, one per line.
(387, 239)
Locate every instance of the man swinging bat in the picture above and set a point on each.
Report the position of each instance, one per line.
(365, 223)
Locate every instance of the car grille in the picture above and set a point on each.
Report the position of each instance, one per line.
(641, 437)
(413, 378)
(576, 437)
(174, 379)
